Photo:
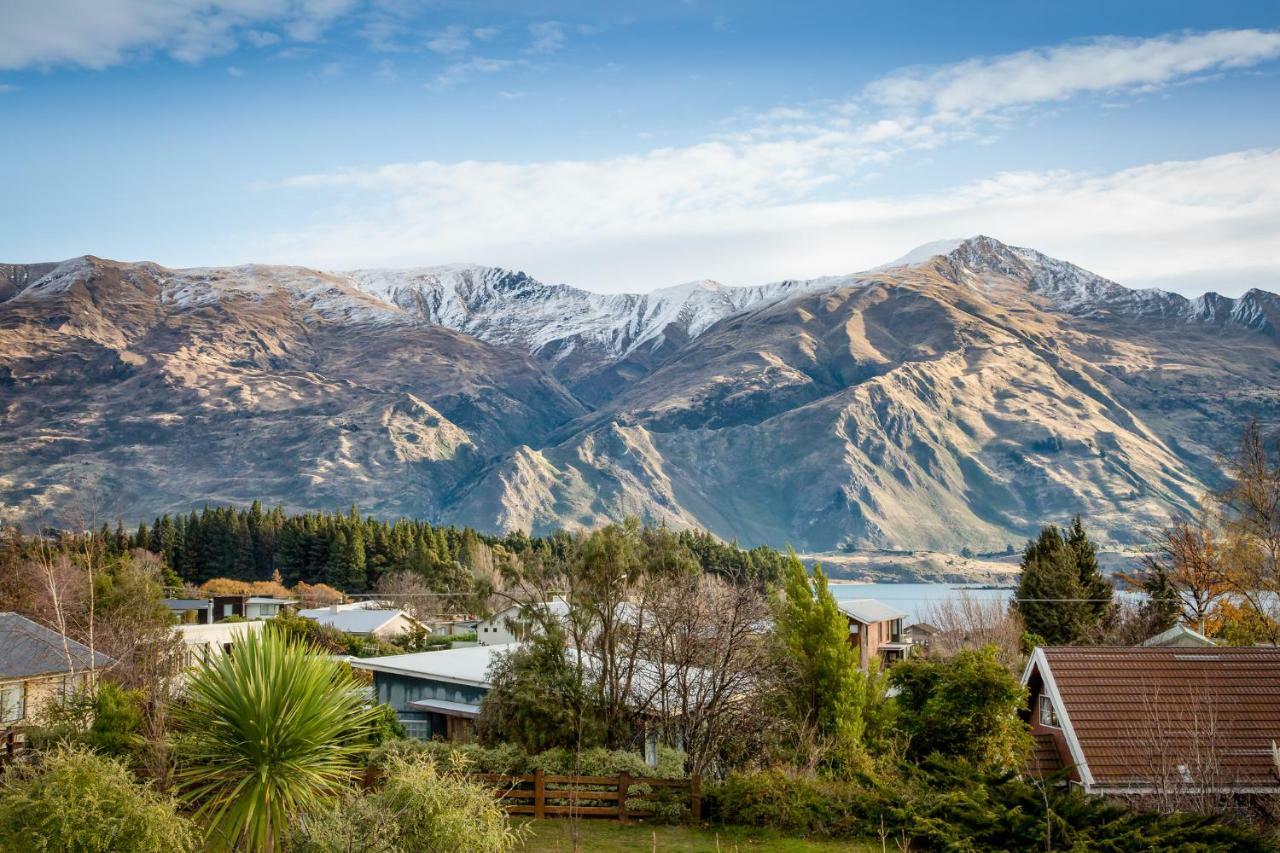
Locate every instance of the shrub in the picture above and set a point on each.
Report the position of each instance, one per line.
(418, 807)
(948, 804)
(966, 706)
(75, 801)
(108, 720)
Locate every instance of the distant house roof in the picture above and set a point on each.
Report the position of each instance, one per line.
(268, 599)
(354, 621)
(1129, 713)
(468, 666)
(187, 603)
(28, 649)
(924, 628)
(1179, 635)
(555, 607)
(869, 611)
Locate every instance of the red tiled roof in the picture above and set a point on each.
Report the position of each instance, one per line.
(1141, 714)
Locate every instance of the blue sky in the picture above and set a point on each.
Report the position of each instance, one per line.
(633, 146)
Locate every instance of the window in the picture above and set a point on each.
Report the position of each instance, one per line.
(13, 702)
(1048, 716)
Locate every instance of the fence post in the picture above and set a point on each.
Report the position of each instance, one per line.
(624, 782)
(695, 798)
(539, 795)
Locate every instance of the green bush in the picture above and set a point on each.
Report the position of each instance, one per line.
(417, 807)
(951, 805)
(75, 801)
(108, 721)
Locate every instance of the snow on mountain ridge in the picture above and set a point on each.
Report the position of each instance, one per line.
(512, 308)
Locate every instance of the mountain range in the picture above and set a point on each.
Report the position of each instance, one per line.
(958, 397)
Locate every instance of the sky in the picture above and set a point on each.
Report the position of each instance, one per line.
(626, 147)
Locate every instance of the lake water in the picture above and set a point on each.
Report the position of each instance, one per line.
(914, 598)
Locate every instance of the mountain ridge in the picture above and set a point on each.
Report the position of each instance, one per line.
(958, 399)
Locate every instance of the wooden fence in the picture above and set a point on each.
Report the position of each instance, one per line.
(622, 797)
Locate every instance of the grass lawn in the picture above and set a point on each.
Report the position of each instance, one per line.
(554, 836)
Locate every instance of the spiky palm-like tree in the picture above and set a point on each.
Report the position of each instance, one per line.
(275, 731)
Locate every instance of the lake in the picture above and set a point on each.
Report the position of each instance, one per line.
(914, 598)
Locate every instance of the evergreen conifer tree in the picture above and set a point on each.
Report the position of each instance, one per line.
(1062, 595)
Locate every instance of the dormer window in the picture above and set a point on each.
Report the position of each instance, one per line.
(1048, 714)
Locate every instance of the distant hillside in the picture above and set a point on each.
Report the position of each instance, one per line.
(959, 397)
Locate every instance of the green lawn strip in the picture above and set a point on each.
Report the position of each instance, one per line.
(605, 836)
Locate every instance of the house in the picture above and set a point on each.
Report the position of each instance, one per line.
(434, 694)
(505, 627)
(203, 643)
(1179, 635)
(875, 629)
(451, 627)
(439, 694)
(1151, 720)
(921, 633)
(249, 606)
(382, 623)
(191, 610)
(38, 666)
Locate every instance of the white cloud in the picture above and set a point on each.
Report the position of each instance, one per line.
(261, 38)
(101, 33)
(745, 215)
(486, 33)
(980, 86)
(462, 71)
(548, 37)
(451, 40)
(235, 71)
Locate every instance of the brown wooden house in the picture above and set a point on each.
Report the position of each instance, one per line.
(875, 630)
(1135, 721)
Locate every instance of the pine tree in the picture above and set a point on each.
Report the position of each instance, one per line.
(1062, 595)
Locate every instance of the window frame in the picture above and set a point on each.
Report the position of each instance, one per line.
(1047, 703)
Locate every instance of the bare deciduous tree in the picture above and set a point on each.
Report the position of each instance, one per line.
(967, 621)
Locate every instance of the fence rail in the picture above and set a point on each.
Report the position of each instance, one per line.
(623, 797)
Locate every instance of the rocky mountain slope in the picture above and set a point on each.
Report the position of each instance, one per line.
(959, 396)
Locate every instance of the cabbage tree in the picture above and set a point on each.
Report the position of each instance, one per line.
(274, 730)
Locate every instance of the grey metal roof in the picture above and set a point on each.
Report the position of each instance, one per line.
(28, 649)
(869, 611)
(187, 603)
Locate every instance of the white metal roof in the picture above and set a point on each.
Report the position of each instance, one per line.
(456, 666)
(441, 706)
(869, 611)
(353, 621)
